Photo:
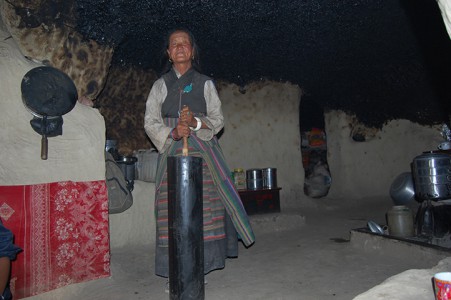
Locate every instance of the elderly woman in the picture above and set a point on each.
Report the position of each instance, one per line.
(184, 103)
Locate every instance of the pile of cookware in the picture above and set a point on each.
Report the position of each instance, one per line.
(432, 180)
(265, 178)
(429, 183)
(432, 176)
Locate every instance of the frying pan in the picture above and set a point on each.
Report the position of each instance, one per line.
(48, 93)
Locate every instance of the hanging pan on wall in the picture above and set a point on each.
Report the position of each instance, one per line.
(48, 94)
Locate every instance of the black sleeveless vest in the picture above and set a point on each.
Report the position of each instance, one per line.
(180, 94)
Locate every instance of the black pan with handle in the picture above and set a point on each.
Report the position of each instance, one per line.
(48, 93)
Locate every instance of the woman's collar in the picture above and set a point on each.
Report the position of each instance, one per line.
(178, 74)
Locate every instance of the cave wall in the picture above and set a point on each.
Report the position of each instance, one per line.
(262, 130)
(367, 169)
(44, 32)
(123, 104)
(377, 59)
(258, 117)
(76, 155)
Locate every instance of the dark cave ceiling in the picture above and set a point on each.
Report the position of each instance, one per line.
(380, 60)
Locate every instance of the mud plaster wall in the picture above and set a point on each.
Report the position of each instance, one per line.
(366, 169)
(76, 155)
(262, 130)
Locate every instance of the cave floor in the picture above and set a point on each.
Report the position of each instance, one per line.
(300, 254)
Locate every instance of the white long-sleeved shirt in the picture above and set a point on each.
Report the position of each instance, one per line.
(158, 132)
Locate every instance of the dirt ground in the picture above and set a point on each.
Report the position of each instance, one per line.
(304, 254)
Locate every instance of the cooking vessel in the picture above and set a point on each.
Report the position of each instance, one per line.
(269, 178)
(432, 176)
(127, 166)
(254, 179)
(48, 93)
(402, 189)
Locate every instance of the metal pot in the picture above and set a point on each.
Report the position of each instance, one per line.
(432, 176)
(110, 145)
(269, 178)
(402, 189)
(127, 166)
(254, 179)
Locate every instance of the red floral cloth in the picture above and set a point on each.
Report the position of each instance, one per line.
(62, 228)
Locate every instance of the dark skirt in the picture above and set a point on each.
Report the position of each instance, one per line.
(220, 236)
(215, 252)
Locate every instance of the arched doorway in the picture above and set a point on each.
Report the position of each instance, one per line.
(314, 148)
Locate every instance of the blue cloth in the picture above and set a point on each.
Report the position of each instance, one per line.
(7, 248)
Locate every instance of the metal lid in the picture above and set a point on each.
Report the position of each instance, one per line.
(432, 154)
(126, 159)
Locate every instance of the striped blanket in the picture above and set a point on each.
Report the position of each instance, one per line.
(221, 182)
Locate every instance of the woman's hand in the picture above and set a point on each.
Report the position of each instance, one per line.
(182, 130)
(187, 117)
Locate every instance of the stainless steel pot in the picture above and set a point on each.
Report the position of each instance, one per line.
(402, 189)
(254, 179)
(269, 178)
(432, 176)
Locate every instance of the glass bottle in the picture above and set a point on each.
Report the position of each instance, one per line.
(239, 178)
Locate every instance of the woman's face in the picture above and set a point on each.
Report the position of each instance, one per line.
(180, 49)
